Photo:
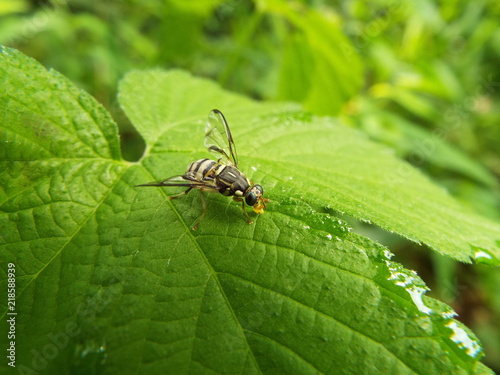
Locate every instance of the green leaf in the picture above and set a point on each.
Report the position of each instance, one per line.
(326, 70)
(419, 145)
(111, 279)
(316, 158)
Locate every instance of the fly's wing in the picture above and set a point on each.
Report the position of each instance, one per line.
(218, 139)
(181, 180)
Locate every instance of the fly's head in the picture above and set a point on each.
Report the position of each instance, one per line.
(254, 198)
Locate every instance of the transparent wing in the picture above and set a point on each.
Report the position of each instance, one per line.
(218, 139)
(180, 180)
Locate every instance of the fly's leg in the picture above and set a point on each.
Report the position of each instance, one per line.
(243, 208)
(204, 210)
(202, 201)
(178, 195)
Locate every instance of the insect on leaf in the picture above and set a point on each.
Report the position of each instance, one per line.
(115, 276)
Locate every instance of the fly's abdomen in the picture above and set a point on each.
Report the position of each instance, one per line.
(202, 169)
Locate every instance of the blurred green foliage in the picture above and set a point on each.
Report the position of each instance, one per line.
(421, 77)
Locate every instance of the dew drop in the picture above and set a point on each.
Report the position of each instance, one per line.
(90, 354)
(460, 337)
(408, 280)
(484, 256)
(388, 254)
(416, 294)
(449, 314)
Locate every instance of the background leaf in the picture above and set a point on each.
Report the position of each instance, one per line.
(326, 72)
(419, 146)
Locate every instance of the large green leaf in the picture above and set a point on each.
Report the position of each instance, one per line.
(111, 279)
(316, 158)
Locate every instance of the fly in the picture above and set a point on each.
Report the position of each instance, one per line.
(221, 176)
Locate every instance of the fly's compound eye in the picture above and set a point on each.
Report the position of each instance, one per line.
(253, 195)
(250, 198)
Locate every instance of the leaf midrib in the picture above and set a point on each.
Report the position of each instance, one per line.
(213, 273)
